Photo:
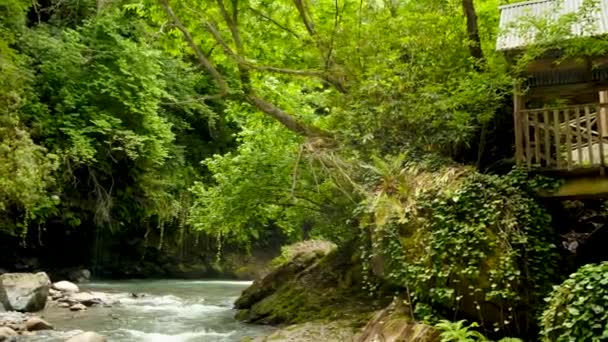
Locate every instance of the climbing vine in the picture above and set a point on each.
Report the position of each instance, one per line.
(481, 247)
(577, 309)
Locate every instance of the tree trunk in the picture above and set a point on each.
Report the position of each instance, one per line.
(474, 42)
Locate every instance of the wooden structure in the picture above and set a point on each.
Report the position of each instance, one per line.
(561, 113)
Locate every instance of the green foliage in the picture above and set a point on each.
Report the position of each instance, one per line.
(577, 309)
(460, 243)
(265, 183)
(458, 332)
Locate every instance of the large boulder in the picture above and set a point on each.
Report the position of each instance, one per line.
(310, 287)
(87, 337)
(65, 286)
(25, 292)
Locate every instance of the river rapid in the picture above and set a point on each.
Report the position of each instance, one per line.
(166, 311)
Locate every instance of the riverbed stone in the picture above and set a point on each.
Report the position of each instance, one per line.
(7, 334)
(86, 298)
(88, 336)
(37, 323)
(65, 286)
(25, 292)
(80, 275)
(78, 307)
(396, 323)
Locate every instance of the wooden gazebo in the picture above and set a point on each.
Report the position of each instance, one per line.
(561, 111)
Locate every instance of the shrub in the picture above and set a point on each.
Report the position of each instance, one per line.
(578, 308)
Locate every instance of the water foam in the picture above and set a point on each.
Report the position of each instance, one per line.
(183, 337)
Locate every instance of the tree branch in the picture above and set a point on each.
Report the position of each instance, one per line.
(310, 27)
(473, 33)
(249, 65)
(202, 59)
(286, 119)
(276, 23)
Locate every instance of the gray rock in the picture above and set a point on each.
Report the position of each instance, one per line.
(7, 334)
(78, 307)
(87, 337)
(24, 291)
(37, 323)
(65, 286)
(80, 276)
(87, 298)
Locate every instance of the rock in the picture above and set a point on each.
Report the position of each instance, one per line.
(341, 330)
(7, 334)
(87, 337)
(65, 286)
(78, 307)
(24, 291)
(320, 287)
(86, 298)
(395, 323)
(37, 323)
(80, 275)
(64, 305)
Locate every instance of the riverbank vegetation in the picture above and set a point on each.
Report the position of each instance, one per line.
(178, 132)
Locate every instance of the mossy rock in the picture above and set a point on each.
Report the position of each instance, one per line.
(318, 287)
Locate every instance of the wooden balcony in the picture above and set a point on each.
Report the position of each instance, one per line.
(563, 138)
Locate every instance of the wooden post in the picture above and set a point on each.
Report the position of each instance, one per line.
(600, 138)
(579, 136)
(535, 123)
(517, 106)
(568, 138)
(547, 139)
(558, 138)
(603, 113)
(589, 135)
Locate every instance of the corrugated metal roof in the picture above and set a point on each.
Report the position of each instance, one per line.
(512, 35)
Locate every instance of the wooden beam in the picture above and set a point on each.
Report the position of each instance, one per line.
(580, 187)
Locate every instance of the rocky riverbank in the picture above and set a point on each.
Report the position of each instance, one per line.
(23, 294)
(316, 294)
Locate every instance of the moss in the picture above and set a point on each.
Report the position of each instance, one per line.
(321, 289)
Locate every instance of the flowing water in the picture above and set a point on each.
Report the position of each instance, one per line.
(168, 311)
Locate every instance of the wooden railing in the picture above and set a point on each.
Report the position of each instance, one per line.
(565, 138)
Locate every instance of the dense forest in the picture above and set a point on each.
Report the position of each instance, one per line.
(175, 132)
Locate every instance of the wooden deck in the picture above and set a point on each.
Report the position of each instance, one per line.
(562, 138)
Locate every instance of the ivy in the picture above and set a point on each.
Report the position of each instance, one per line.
(577, 310)
(479, 244)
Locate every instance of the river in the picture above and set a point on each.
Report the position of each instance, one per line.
(168, 311)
